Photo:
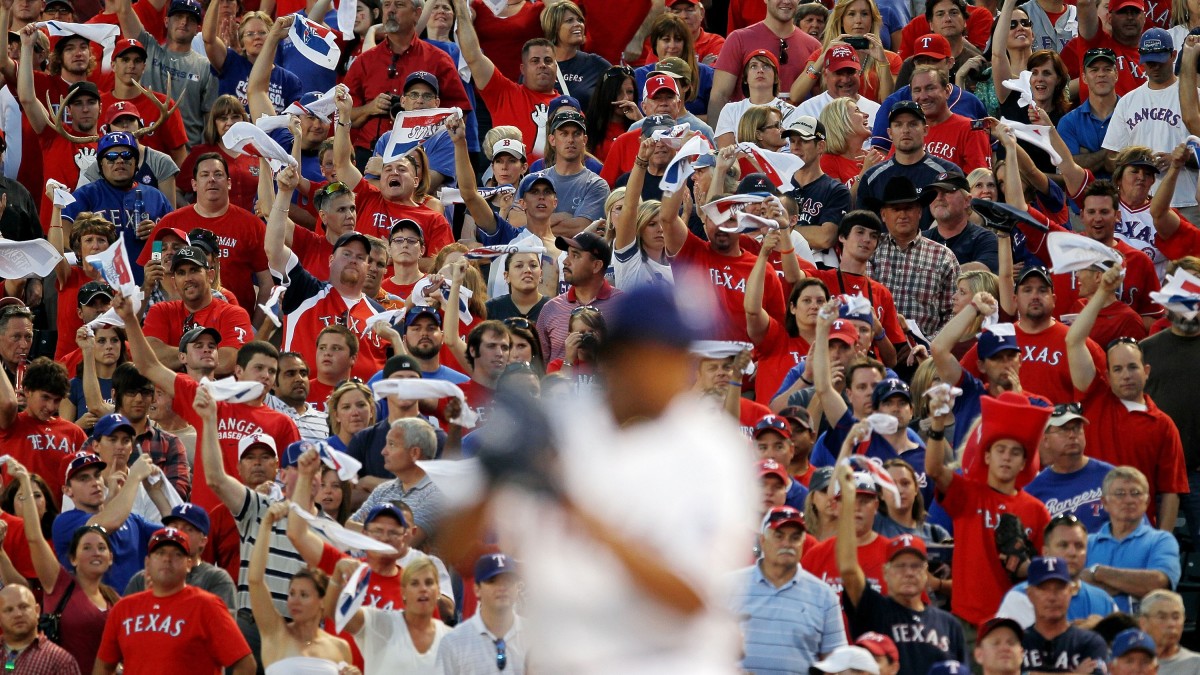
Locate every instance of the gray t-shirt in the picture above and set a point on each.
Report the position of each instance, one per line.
(1185, 662)
(190, 72)
(204, 576)
(159, 163)
(582, 195)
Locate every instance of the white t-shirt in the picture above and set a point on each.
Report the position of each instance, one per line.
(387, 648)
(1136, 228)
(632, 269)
(1151, 117)
(732, 113)
(816, 104)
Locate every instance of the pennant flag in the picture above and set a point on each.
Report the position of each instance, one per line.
(419, 388)
(244, 138)
(20, 259)
(323, 107)
(113, 263)
(415, 126)
(230, 389)
(748, 222)
(492, 252)
(1022, 86)
(723, 209)
(354, 593)
(1070, 252)
(674, 138)
(314, 42)
(103, 34)
(880, 475)
(342, 538)
(1037, 135)
(454, 196)
(1181, 294)
(778, 166)
(680, 167)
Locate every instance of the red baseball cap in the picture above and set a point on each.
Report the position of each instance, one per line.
(934, 45)
(774, 423)
(842, 56)
(121, 109)
(1118, 5)
(659, 83)
(845, 331)
(879, 645)
(779, 516)
(127, 44)
(906, 543)
(766, 54)
(769, 467)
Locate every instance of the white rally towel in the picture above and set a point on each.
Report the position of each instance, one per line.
(954, 393)
(346, 466)
(244, 138)
(272, 302)
(464, 295)
(721, 210)
(748, 222)
(1022, 86)
(453, 196)
(672, 137)
(322, 107)
(20, 259)
(346, 9)
(113, 264)
(1181, 294)
(62, 196)
(493, 252)
(389, 317)
(461, 481)
(231, 390)
(1070, 252)
(133, 295)
(342, 538)
(415, 126)
(415, 389)
(857, 304)
(680, 167)
(718, 349)
(354, 593)
(779, 167)
(880, 475)
(883, 423)
(103, 34)
(1038, 135)
(315, 43)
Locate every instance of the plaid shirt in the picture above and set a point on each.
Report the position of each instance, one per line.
(43, 657)
(922, 278)
(167, 452)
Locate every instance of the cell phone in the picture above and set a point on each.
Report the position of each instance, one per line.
(156, 251)
(979, 125)
(858, 42)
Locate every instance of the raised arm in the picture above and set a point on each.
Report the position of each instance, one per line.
(343, 150)
(1166, 221)
(482, 68)
(131, 24)
(8, 67)
(1089, 19)
(1079, 357)
(626, 226)
(116, 510)
(757, 319)
(258, 83)
(337, 581)
(453, 325)
(45, 563)
(278, 252)
(1074, 176)
(854, 581)
(942, 348)
(477, 206)
(834, 406)
(1189, 100)
(62, 270)
(935, 445)
(229, 490)
(214, 47)
(270, 623)
(307, 543)
(1001, 67)
(8, 401)
(140, 349)
(35, 112)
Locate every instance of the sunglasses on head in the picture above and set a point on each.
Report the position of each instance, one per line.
(519, 322)
(783, 53)
(1072, 408)
(618, 71)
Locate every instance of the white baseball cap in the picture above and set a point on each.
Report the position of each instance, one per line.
(509, 146)
(847, 658)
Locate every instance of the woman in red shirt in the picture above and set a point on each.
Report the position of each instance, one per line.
(846, 131)
(243, 169)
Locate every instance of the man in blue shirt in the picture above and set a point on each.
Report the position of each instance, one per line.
(421, 92)
(1071, 483)
(906, 128)
(1083, 128)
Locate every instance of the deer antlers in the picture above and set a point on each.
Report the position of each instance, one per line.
(164, 110)
(56, 122)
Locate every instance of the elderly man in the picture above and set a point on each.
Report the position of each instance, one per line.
(777, 587)
(1053, 643)
(1127, 557)
(1161, 615)
(27, 649)
(841, 74)
(949, 202)
(408, 439)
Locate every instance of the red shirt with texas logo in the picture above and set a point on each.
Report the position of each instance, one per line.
(42, 446)
(728, 276)
(955, 141)
(169, 320)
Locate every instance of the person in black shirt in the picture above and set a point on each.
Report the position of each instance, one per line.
(1052, 644)
(822, 200)
(523, 274)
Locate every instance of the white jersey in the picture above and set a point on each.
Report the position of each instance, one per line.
(732, 113)
(1150, 117)
(1136, 228)
(813, 107)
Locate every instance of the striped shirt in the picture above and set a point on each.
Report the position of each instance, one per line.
(786, 629)
(424, 498)
(554, 321)
(922, 277)
(472, 648)
(312, 424)
(283, 560)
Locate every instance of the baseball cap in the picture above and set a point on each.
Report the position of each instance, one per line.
(508, 146)
(491, 565)
(189, 254)
(306, 101)
(1132, 639)
(291, 454)
(807, 128)
(948, 181)
(1097, 54)
(845, 331)
(1038, 271)
(123, 45)
(820, 479)
(888, 388)
(588, 242)
(250, 440)
(846, 657)
(422, 76)
(842, 56)
(81, 461)
(879, 645)
(192, 514)
(769, 467)
(407, 224)
(81, 88)
(386, 509)
(1156, 46)
(349, 238)
(532, 179)
(1043, 569)
(797, 415)
(775, 423)
(205, 239)
(111, 424)
(999, 622)
(655, 122)
(190, 6)
(70, 6)
(756, 182)
(566, 117)
(779, 516)
(763, 53)
(991, 343)
(401, 362)
(1118, 5)
(1066, 412)
(116, 139)
(195, 333)
(906, 107)
(92, 290)
(1142, 159)
(659, 83)
(932, 45)
(906, 543)
(169, 536)
(864, 483)
(563, 101)
(119, 109)
(675, 67)
(706, 161)
(417, 312)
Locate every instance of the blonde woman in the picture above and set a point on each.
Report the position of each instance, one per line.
(857, 20)
(233, 68)
(639, 245)
(846, 131)
(351, 409)
(965, 287)
(763, 126)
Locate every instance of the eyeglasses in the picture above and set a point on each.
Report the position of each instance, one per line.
(518, 322)
(406, 241)
(254, 34)
(1024, 23)
(114, 155)
(618, 71)
(501, 654)
(777, 125)
(392, 67)
(783, 58)
(423, 96)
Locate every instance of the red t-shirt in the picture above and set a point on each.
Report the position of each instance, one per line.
(152, 20)
(880, 296)
(399, 290)
(613, 25)
(17, 546)
(42, 447)
(189, 633)
(318, 393)
(313, 250)
(376, 216)
(167, 321)
(61, 159)
(778, 352)
(1116, 320)
(1130, 74)
(749, 413)
(502, 39)
(979, 30)
(234, 420)
(1147, 440)
(842, 169)
(800, 46)
(240, 236)
(621, 153)
(512, 104)
(1185, 241)
(1044, 368)
(955, 141)
(708, 44)
(728, 276)
(68, 311)
(167, 137)
(976, 508)
(1140, 281)
(821, 562)
(243, 175)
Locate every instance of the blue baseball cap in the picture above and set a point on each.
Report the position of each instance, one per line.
(845, 313)
(306, 101)
(1155, 46)
(491, 565)
(560, 101)
(116, 139)
(949, 667)
(386, 509)
(707, 160)
(888, 388)
(190, 6)
(192, 514)
(1132, 639)
(991, 344)
(110, 424)
(1042, 570)
(419, 311)
(292, 453)
(423, 77)
(532, 179)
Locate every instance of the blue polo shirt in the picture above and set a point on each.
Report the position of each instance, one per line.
(1143, 549)
(1082, 131)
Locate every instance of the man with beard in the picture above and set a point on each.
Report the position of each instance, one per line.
(310, 304)
(167, 322)
(1126, 427)
(581, 193)
(423, 339)
(1173, 356)
(291, 398)
(338, 214)
(26, 647)
(588, 256)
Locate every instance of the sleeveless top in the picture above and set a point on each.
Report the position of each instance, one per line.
(302, 665)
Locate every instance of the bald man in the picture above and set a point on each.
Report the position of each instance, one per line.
(27, 650)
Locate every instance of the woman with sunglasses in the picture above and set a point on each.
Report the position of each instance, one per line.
(526, 347)
(612, 109)
(762, 126)
(243, 168)
(760, 85)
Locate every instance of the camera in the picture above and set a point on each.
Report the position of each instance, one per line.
(395, 107)
(979, 74)
(589, 341)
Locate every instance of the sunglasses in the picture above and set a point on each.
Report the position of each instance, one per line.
(392, 67)
(351, 380)
(1065, 408)
(501, 654)
(333, 189)
(114, 155)
(1024, 23)
(782, 514)
(1100, 51)
(519, 322)
(583, 308)
(618, 71)
(1123, 340)
(783, 54)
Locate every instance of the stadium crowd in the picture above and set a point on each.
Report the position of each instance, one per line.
(646, 336)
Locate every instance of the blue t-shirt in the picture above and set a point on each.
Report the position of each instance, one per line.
(117, 207)
(826, 450)
(439, 148)
(590, 163)
(128, 544)
(1077, 493)
(284, 86)
(961, 103)
(923, 638)
(795, 495)
(76, 394)
(696, 106)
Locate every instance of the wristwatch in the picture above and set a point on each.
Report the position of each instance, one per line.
(1092, 570)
